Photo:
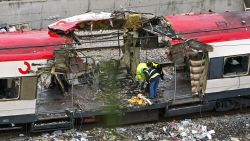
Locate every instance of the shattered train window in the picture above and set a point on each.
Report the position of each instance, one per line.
(236, 65)
(9, 88)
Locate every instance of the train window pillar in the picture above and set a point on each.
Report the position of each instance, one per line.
(9, 88)
(216, 68)
(28, 88)
(236, 65)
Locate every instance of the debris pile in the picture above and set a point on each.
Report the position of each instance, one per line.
(73, 135)
(139, 100)
(187, 130)
(227, 128)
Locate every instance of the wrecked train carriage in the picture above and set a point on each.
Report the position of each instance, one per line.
(29, 55)
(138, 29)
(192, 56)
(134, 26)
(21, 56)
(37, 67)
(191, 90)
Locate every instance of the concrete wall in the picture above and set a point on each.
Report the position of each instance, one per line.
(39, 13)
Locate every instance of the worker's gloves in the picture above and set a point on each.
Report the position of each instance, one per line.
(136, 83)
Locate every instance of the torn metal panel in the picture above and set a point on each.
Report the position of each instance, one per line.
(188, 48)
(4, 27)
(133, 21)
(123, 20)
(159, 26)
(68, 67)
(194, 55)
(77, 22)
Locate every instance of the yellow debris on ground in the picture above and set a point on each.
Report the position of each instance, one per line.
(138, 100)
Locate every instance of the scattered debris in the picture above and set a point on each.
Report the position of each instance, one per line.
(227, 128)
(234, 139)
(139, 100)
(21, 135)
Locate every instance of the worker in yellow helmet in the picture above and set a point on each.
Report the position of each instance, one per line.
(140, 76)
(158, 67)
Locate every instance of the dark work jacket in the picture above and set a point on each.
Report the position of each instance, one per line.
(158, 67)
(151, 74)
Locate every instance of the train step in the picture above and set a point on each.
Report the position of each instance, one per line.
(51, 126)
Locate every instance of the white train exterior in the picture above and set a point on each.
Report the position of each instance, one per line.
(21, 54)
(228, 33)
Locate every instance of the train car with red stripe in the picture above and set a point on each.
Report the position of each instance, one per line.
(21, 54)
(226, 74)
(209, 52)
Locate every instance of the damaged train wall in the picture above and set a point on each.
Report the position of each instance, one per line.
(40, 13)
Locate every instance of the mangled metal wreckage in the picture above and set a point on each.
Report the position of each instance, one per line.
(54, 84)
(137, 29)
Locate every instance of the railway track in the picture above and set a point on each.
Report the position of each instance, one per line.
(23, 133)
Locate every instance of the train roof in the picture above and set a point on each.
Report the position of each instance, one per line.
(65, 26)
(30, 45)
(212, 27)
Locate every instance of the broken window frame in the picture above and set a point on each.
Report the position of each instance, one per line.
(244, 73)
(19, 90)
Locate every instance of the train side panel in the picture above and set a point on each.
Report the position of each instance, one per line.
(18, 111)
(18, 100)
(229, 66)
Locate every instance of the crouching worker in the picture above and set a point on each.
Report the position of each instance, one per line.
(152, 78)
(140, 76)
